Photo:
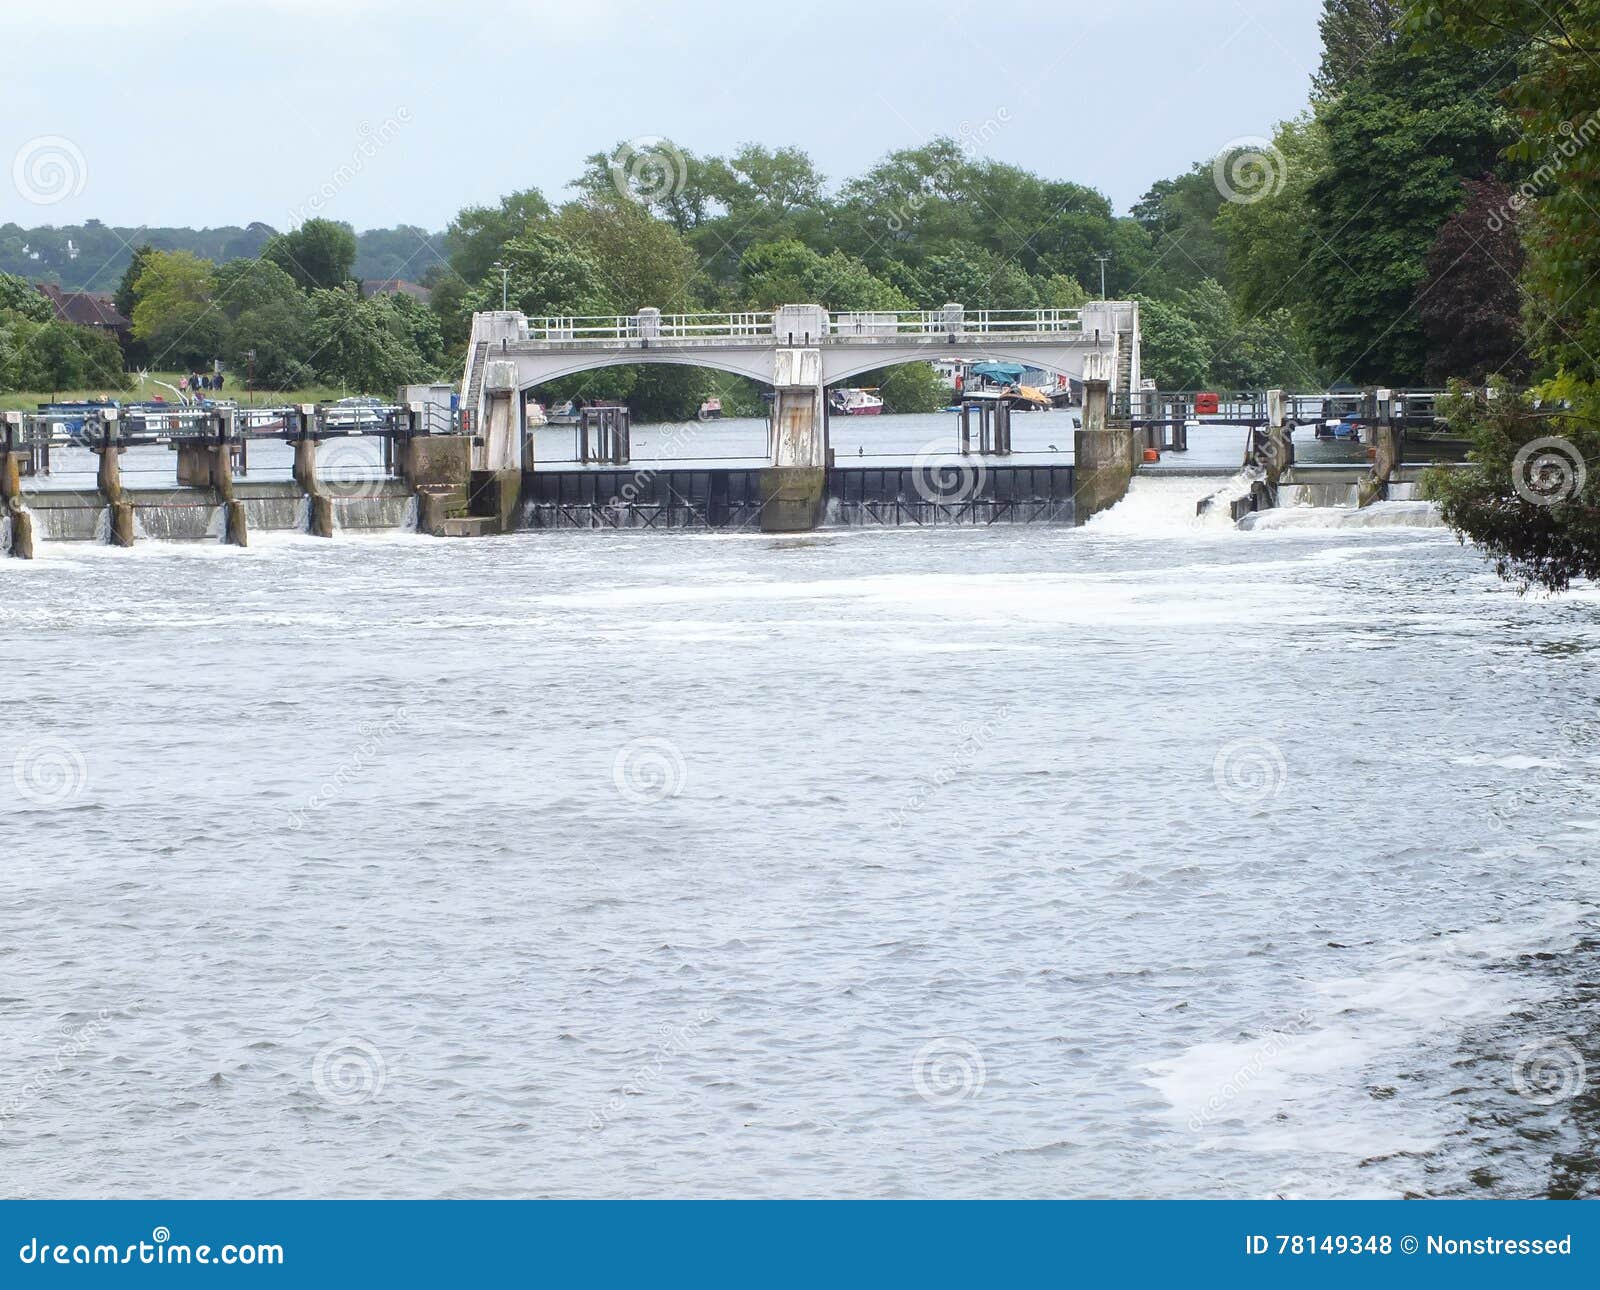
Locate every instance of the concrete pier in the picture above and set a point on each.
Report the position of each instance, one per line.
(794, 487)
(320, 521)
(108, 476)
(1104, 456)
(11, 489)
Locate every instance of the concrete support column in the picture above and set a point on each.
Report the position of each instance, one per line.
(235, 525)
(1276, 454)
(305, 474)
(21, 545)
(109, 477)
(501, 431)
(1389, 446)
(794, 486)
(1104, 456)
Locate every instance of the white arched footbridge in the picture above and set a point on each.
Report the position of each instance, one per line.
(799, 350)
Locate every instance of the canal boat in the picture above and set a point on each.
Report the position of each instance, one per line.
(853, 402)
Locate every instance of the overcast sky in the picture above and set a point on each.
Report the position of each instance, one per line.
(172, 112)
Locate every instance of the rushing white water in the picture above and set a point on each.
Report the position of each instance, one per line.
(1132, 860)
(1167, 506)
(1379, 515)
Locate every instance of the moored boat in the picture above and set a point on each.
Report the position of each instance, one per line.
(852, 402)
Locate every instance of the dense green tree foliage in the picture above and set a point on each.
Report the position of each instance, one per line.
(320, 253)
(1533, 500)
(1402, 136)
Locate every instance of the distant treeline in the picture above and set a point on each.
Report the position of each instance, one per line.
(93, 256)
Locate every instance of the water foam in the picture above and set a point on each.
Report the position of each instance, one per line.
(1164, 506)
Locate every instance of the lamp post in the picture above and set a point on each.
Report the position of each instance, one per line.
(249, 377)
(1103, 259)
(505, 277)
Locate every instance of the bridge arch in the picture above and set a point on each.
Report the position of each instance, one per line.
(539, 369)
(1066, 364)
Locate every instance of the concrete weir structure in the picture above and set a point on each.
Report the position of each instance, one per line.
(799, 351)
(423, 471)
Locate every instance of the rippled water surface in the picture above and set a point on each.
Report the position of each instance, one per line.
(1002, 862)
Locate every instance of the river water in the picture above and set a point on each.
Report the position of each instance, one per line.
(1141, 859)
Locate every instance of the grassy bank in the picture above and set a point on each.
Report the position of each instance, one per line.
(27, 400)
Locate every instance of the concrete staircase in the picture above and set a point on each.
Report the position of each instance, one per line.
(1124, 380)
(469, 400)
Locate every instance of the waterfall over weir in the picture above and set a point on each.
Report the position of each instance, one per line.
(1157, 505)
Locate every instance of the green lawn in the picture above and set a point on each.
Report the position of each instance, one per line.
(28, 400)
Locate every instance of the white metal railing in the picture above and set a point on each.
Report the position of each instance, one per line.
(626, 328)
(938, 322)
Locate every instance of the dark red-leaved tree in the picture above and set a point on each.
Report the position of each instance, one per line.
(1470, 306)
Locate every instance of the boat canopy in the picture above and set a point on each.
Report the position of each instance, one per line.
(1010, 373)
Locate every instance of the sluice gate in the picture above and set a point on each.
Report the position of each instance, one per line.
(950, 491)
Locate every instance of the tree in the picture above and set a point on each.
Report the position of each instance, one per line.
(668, 181)
(1180, 216)
(1470, 304)
(123, 297)
(362, 344)
(173, 312)
(642, 260)
(911, 387)
(317, 254)
(278, 334)
(1266, 238)
(477, 236)
(1404, 133)
(1533, 498)
(1174, 353)
(548, 276)
(18, 297)
(980, 280)
(1352, 31)
(55, 356)
(244, 285)
(791, 273)
(1058, 291)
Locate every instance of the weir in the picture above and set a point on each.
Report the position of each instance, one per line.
(212, 497)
